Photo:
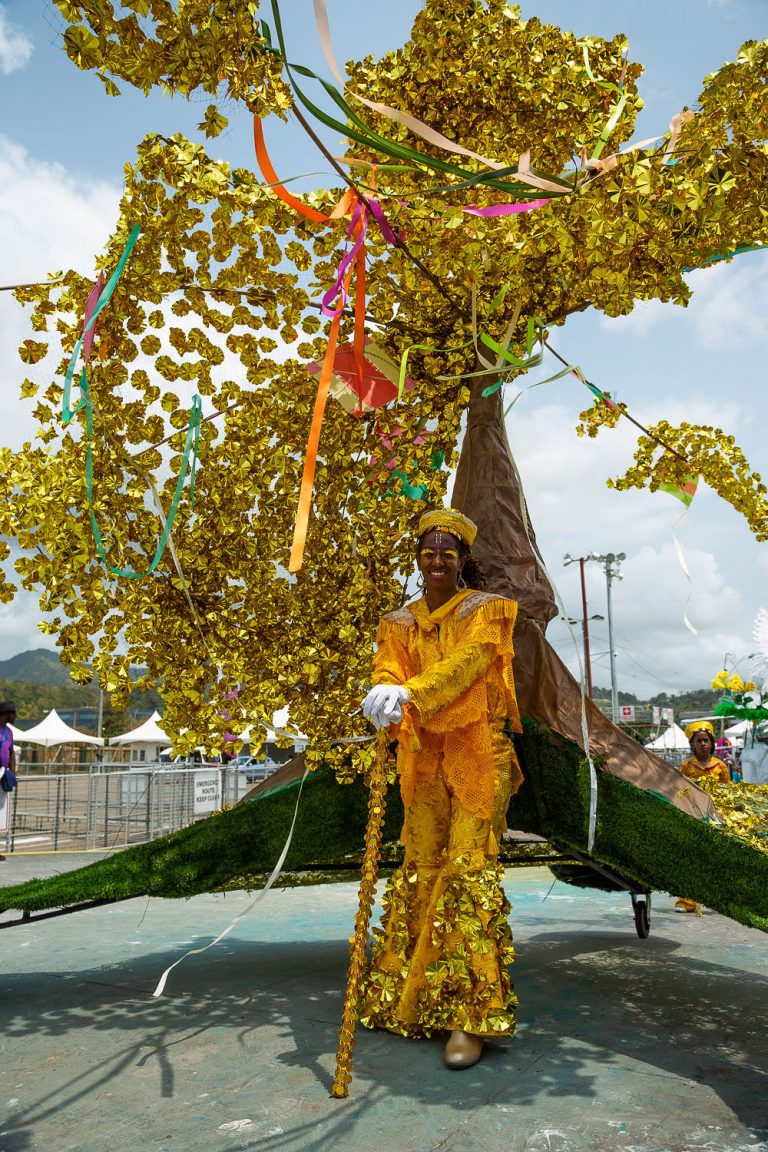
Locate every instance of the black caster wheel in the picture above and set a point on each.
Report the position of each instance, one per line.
(642, 913)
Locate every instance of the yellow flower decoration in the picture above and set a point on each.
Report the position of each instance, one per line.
(721, 680)
(735, 683)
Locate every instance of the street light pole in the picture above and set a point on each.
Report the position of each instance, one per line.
(611, 563)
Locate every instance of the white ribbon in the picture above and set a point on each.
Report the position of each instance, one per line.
(246, 911)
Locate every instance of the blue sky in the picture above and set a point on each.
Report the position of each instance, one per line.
(61, 154)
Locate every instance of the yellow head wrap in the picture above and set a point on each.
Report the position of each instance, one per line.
(448, 520)
(699, 726)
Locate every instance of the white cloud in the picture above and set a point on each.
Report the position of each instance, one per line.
(18, 625)
(15, 45)
(49, 220)
(572, 511)
(727, 308)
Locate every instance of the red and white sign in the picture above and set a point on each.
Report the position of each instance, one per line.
(627, 713)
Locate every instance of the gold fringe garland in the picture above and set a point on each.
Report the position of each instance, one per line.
(358, 943)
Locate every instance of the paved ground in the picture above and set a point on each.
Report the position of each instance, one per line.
(657, 1045)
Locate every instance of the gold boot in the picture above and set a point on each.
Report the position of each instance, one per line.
(462, 1050)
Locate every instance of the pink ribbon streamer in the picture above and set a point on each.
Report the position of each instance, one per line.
(381, 220)
(326, 306)
(506, 209)
(90, 307)
(360, 211)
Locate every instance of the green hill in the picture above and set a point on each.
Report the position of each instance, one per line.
(37, 666)
(36, 681)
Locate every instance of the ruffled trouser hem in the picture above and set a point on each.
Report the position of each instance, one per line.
(439, 961)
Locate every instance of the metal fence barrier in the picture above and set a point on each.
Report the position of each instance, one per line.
(80, 811)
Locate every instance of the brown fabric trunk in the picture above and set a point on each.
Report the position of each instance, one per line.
(487, 488)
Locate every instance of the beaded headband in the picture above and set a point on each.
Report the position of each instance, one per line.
(448, 520)
(699, 726)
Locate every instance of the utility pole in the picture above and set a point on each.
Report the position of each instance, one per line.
(568, 559)
(612, 564)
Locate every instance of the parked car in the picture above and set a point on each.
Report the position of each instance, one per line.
(255, 769)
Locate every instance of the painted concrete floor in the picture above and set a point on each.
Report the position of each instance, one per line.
(657, 1045)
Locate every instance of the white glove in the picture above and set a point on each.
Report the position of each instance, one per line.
(384, 704)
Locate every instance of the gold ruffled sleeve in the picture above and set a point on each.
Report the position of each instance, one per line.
(390, 661)
(440, 686)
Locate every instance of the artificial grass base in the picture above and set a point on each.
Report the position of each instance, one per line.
(639, 835)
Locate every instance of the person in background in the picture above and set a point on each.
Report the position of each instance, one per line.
(443, 686)
(7, 753)
(724, 750)
(754, 758)
(702, 765)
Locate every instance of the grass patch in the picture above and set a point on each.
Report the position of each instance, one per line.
(639, 835)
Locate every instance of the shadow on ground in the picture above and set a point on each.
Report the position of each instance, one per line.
(258, 1022)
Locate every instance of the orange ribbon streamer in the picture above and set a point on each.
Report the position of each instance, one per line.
(310, 459)
(344, 207)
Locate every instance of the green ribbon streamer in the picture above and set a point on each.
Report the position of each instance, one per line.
(358, 130)
(191, 443)
(66, 412)
(728, 255)
(549, 380)
(528, 361)
(191, 449)
(616, 111)
(534, 324)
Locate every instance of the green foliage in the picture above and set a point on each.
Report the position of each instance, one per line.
(638, 835)
(34, 702)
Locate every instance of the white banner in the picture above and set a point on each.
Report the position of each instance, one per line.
(627, 713)
(207, 791)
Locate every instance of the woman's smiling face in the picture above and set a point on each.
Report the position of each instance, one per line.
(440, 561)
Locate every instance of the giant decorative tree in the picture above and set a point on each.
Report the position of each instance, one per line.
(220, 297)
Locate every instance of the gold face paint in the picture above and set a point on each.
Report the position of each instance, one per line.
(432, 553)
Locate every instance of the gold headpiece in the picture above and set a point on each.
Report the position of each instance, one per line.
(699, 726)
(448, 520)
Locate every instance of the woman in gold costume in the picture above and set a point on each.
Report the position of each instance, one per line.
(702, 765)
(443, 681)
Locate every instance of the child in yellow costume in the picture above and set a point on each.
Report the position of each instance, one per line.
(443, 681)
(703, 764)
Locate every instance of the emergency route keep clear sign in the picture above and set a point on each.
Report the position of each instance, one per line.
(207, 791)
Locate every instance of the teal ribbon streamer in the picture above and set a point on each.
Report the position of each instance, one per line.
(191, 450)
(191, 443)
(66, 412)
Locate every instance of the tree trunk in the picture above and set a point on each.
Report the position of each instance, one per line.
(488, 489)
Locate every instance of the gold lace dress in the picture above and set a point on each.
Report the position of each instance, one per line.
(715, 769)
(440, 958)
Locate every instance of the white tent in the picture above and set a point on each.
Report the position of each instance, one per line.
(149, 732)
(145, 742)
(672, 740)
(53, 730)
(738, 731)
